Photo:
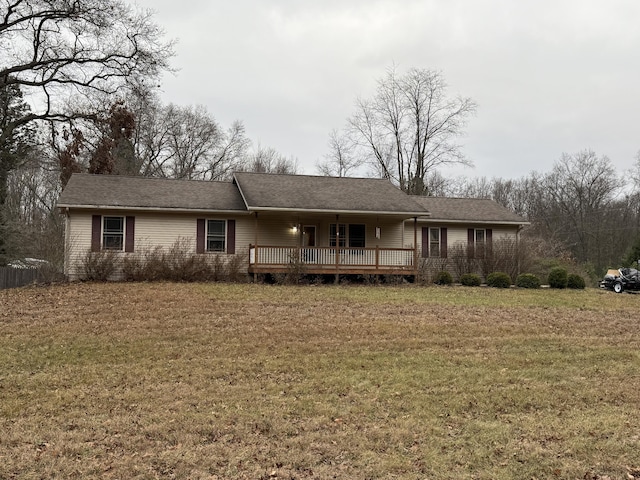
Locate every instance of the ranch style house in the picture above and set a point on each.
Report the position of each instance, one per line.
(334, 226)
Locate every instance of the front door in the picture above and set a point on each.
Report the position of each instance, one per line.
(309, 240)
(309, 236)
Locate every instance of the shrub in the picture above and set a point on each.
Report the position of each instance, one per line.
(232, 269)
(558, 278)
(527, 280)
(499, 280)
(133, 269)
(99, 266)
(443, 278)
(575, 281)
(470, 280)
(180, 264)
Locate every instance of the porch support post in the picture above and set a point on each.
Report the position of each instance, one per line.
(337, 280)
(415, 248)
(255, 274)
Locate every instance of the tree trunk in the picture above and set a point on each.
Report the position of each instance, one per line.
(4, 177)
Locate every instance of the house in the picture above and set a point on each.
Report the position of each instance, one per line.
(331, 225)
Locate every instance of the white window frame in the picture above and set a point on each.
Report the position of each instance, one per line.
(210, 237)
(344, 239)
(340, 234)
(435, 252)
(480, 246)
(113, 234)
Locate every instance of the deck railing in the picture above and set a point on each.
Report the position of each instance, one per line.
(329, 257)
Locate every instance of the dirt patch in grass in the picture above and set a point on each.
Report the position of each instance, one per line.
(255, 381)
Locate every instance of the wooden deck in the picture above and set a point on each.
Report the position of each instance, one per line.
(331, 260)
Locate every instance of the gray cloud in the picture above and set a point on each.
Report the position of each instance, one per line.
(548, 76)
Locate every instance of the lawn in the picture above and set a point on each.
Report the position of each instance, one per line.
(217, 381)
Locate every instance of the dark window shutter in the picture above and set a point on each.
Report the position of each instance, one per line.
(200, 235)
(130, 234)
(443, 242)
(96, 232)
(471, 237)
(231, 236)
(425, 242)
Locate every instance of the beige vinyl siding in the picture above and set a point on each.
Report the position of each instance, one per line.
(151, 230)
(78, 239)
(275, 231)
(278, 231)
(457, 234)
(164, 230)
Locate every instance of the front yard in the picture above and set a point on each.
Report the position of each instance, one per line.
(255, 381)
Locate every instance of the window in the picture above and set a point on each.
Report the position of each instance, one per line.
(216, 235)
(480, 242)
(356, 237)
(434, 242)
(342, 237)
(112, 233)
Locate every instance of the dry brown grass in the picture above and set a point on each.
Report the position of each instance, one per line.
(262, 382)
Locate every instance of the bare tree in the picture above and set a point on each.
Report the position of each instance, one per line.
(230, 153)
(341, 159)
(56, 49)
(187, 143)
(51, 51)
(192, 135)
(268, 160)
(634, 173)
(581, 190)
(410, 127)
(35, 226)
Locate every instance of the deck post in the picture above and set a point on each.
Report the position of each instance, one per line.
(415, 248)
(337, 279)
(255, 256)
(377, 258)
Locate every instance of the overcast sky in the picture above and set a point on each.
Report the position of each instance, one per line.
(549, 76)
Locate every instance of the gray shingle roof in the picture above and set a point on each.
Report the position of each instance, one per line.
(84, 190)
(264, 191)
(468, 210)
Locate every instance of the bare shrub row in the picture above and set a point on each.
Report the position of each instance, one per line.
(178, 263)
(505, 257)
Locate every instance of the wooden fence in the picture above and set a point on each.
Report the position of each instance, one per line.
(17, 277)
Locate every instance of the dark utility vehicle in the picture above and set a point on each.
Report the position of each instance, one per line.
(621, 280)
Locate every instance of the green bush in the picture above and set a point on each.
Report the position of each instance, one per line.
(499, 280)
(470, 280)
(575, 281)
(527, 280)
(558, 278)
(443, 278)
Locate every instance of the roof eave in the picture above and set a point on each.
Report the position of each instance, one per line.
(338, 212)
(150, 209)
(478, 222)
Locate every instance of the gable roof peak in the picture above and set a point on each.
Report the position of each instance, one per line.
(280, 192)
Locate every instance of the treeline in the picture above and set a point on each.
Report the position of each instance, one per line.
(78, 83)
(139, 136)
(582, 210)
(78, 93)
